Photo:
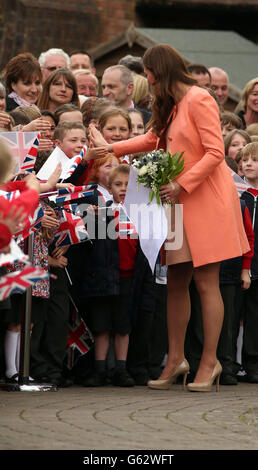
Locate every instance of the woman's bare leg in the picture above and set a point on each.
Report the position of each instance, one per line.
(207, 283)
(178, 313)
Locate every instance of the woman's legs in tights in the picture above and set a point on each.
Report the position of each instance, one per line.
(207, 283)
(178, 313)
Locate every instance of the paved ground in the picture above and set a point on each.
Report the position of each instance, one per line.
(110, 417)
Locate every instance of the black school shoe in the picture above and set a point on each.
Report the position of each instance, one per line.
(121, 378)
(228, 379)
(95, 380)
(61, 382)
(13, 379)
(252, 377)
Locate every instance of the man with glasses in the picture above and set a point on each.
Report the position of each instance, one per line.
(52, 60)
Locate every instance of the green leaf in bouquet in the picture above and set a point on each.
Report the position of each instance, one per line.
(151, 196)
(158, 198)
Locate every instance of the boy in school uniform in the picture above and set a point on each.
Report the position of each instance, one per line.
(109, 284)
(249, 164)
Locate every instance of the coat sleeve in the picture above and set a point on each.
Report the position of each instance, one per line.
(28, 200)
(141, 143)
(204, 113)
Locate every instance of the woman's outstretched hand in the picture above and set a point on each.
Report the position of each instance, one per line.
(96, 138)
(170, 191)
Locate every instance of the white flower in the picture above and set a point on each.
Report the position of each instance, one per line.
(143, 170)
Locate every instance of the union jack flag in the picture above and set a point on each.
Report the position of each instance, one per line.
(124, 225)
(32, 224)
(19, 281)
(75, 162)
(80, 339)
(30, 159)
(71, 229)
(19, 144)
(241, 184)
(10, 196)
(76, 192)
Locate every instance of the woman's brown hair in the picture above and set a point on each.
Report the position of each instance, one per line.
(43, 102)
(21, 67)
(168, 67)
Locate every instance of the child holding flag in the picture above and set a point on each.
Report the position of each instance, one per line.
(109, 283)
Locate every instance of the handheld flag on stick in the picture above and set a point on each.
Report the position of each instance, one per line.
(30, 159)
(80, 339)
(19, 281)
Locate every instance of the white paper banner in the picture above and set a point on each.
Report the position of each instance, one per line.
(50, 165)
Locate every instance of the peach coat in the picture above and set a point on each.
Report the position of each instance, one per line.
(211, 209)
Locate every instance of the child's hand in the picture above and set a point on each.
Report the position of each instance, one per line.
(94, 153)
(13, 220)
(45, 144)
(4, 120)
(32, 182)
(49, 219)
(39, 124)
(5, 250)
(92, 209)
(52, 180)
(59, 251)
(60, 262)
(64, 185)
(245, 278)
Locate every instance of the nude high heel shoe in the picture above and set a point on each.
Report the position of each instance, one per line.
(165, 384)
(206, 386)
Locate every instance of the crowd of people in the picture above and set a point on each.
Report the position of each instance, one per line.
(148, 328)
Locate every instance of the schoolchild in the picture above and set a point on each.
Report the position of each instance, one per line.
(234, 283)
(249, 165)
(70, 137)
(12, 214)
(229, 121)
(109, 284)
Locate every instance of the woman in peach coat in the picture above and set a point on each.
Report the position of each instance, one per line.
(185, 117)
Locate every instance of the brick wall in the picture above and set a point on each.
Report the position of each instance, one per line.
(37, 25)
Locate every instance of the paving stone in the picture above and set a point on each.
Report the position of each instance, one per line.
(138, 418)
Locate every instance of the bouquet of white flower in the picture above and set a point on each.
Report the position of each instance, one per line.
(157, 168)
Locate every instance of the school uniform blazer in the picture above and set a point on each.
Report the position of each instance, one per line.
(211, 208)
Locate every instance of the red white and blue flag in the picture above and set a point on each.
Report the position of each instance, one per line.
(30, 159)
(75, 161)
(240, 184)
(10, 196)
(19, 144)
(32, 224)
(71, 228)
(124, 225)
(18, 281)
(80, 339)
(76, 192)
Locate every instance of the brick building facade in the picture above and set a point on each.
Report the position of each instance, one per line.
(37, 25)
